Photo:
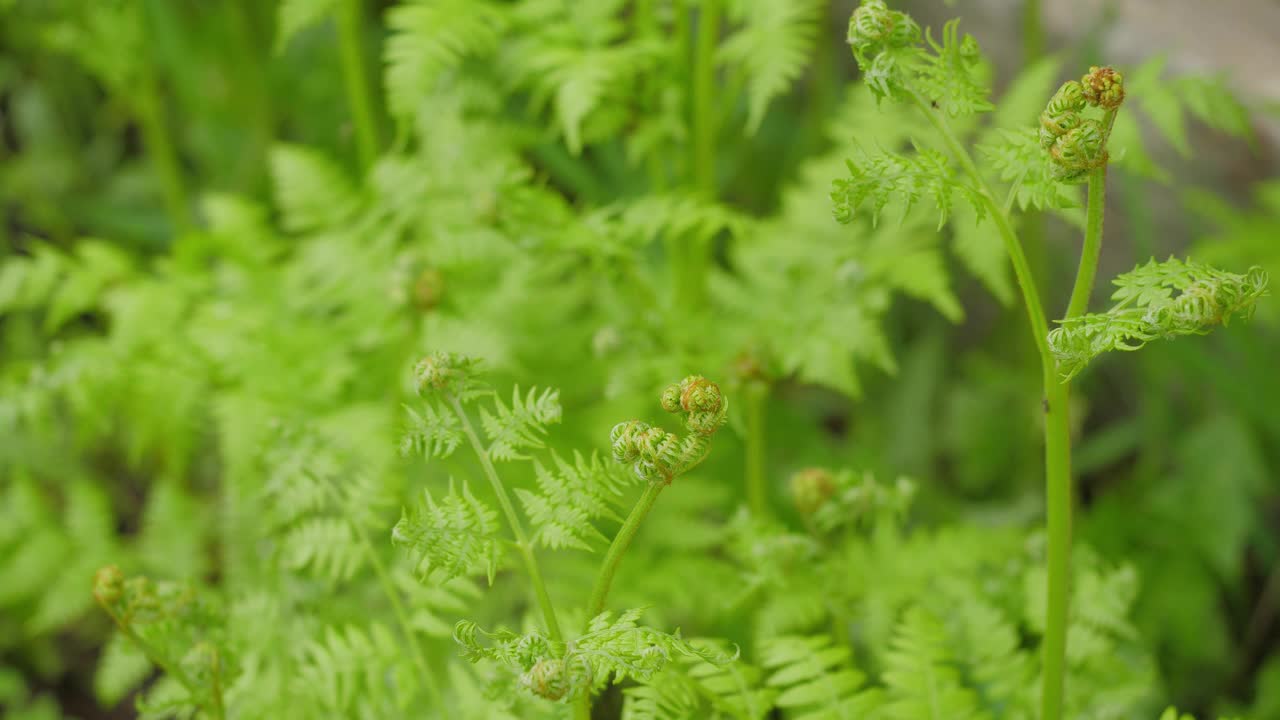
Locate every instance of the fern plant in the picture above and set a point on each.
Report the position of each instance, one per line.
(943, 82)
(252, 250)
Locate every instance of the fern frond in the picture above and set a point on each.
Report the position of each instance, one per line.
(1148, 309)
(61, 286)
(571, 496)
(353, 671)
(325, 545)
(311, 191)
(436, 606)
(1025, 166)
(293, 16)
(611, 650)
(452, 537)
(429, 38)
(522, 425)
(121, 669)
(922, 682)
(816, 680)
(949, 77)
(885, 177)
(691, 687)
(772, 46)
(433, 433)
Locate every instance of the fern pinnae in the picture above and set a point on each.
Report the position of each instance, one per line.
(454, 378)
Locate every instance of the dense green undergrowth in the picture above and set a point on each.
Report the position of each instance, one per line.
(478, 359)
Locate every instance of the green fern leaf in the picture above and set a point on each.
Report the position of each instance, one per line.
(450, 538)
(922, 681)
(886, 177)
(428, 39)
(311, 191)
(1148, 309)
(816, 679)
(433, 433)
(570, 496)
(772, 46)
(522, 425)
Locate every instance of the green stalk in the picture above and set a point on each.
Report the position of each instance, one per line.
(609, 568)
(689, 256)
(1057, 432)
(356, 78)
(1092, 244)
(704, 100)
(757, 497)
(161, 150)
(174, 671)
(393, 596)
(1032, 32)
(517, 528)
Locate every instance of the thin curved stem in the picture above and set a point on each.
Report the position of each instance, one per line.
(757, 497)
(1057, 433)
(393, 596)
(1092, 244)
(621, 541)
(517, 528)
(609, 568)
(355, 75)
(173, 671)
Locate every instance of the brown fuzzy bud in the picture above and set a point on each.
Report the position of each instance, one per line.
(1103, 87)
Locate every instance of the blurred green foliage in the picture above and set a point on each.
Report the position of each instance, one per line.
(212, 296)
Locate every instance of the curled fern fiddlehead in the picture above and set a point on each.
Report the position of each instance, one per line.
(445, 372)
(658, 455)
(874, 28)
(1078, 145)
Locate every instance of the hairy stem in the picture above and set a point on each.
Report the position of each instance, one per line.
(1092, 244)
(757, 497)
(609, 568)
(517, 528)
(621, 541)
(355, 75)
(1057, 433)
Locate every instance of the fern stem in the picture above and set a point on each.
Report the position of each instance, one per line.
(393, 596)
(704, 99)
(608, 568)
(161, 149)
(356, 77)
(689, 254)
(1032, 32)
(1092, 244)
(174, 671)
(517, 528)
(757, 497)
(219, 711)
(1057, 433)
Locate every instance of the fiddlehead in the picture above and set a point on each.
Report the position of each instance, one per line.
(446, 372)
(1076, 144)
(658, 455)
